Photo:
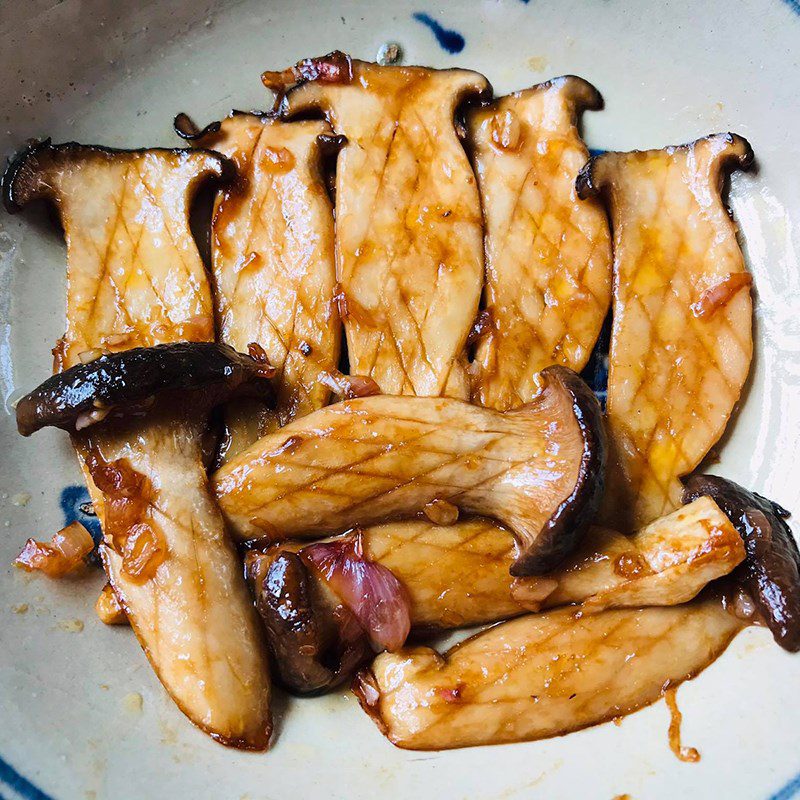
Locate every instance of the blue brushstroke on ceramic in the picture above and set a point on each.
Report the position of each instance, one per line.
(791, 789)
(595, 373)
(18, 785)
(593, 152)
(794, 5)
(449, 40)
(71, 499)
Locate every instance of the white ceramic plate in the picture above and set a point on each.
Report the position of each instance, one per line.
(116, 73)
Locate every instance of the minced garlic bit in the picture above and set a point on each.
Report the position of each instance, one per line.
(20, 499)
(22, 608)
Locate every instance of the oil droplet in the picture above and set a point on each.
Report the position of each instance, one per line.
(71, 625)
(133, 702)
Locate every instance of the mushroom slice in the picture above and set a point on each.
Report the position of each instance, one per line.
(128, 383)
(135, 279)
(681, 340)
(771, 571)
(408, 220)
(666, 563)
(458, 575)
(541, 675)
(538, 470)
(272, 256)
(548, 255)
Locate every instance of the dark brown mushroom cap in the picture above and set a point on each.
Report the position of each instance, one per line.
(593, 177)
(128, 381)
(26, 174)
(316, 643)
(771, 571)
(190, 131)
(565, 529)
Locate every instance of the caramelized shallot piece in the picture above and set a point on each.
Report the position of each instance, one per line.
(676, 369)
(348, 387)
(720, 294)
(108, 608)
(135, 279)
(541, 675)
(272, 257)
(65, 553)
(548, 254)
(374, 595)
(538, 469)
(408, 220)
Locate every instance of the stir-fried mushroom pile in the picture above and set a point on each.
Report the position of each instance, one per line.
(405, 277)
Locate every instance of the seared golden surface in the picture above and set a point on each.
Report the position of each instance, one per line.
(272, 254)
(548, 254)
(541, 675)
(664, 564)
(194, 618)
(135, 278)
(408, 224)
(371, 459)
(681, 344)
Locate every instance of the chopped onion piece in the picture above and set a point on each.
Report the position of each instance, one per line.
(108, 608)
(371, 591)
(259, 354)
(349, 386)
(718, 295)
(65, 552)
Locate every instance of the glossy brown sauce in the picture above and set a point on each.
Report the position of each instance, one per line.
(127, 495)
(440, 512)
(277, 160)
(682, 753)
(349, 308)
(481, 327)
